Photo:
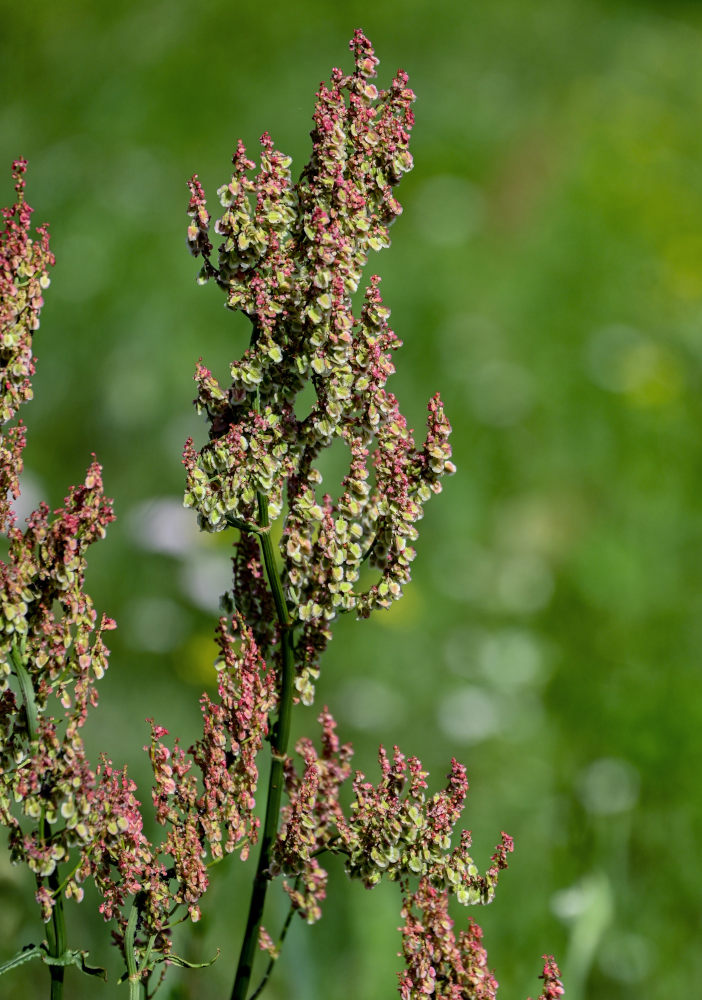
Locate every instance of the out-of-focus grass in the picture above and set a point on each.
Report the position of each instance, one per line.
(547, 277)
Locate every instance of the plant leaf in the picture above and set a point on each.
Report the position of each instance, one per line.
(184, 964)
(27, 953)
(77, 958)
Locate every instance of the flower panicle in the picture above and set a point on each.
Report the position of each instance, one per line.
(52, 643)
(291, 257)
(207, 817)
(396, 831)
(313, 817)
(24, 276)
(437, 962)
(234, 730)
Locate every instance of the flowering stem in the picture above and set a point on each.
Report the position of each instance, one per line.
(134, 976)
(279, 743)
(56, 933)
(56, 930)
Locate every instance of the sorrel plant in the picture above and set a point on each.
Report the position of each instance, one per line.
(291, 258)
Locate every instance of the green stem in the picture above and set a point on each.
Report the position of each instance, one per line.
(56, 934)
(134, 976)
(276, 586)
(56, 929)
(279, 743)
(274, 958)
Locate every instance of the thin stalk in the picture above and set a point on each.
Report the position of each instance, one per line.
(56, 933)
(133, 973)
(279, 744)
(56, 929)
(274, 958)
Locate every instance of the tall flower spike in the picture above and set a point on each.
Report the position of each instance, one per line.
(52, 650)
(291, 259)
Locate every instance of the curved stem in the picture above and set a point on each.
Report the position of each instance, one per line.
(274, 958)
(279, 743)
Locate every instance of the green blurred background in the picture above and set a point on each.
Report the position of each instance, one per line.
(546, 276)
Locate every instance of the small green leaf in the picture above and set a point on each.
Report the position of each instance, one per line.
(27, 690)
(27, 953)
(77, 958)
(183, 963)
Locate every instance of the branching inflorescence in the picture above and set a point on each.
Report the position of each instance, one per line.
(290, 257)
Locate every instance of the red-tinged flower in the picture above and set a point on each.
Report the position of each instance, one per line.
(199, 228)
(214, 815)
(553, 987)
(24, 275)
(119, 857)
(266, 943)
(46, 901)
(312, 819)
(50, 637)
(396, 832)
(437, 963)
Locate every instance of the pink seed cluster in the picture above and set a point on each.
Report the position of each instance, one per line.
(438, 964)
(313, 817)
(52, 650)
(396, 831)
(205, 797)
(291, 257)
(24, 274)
